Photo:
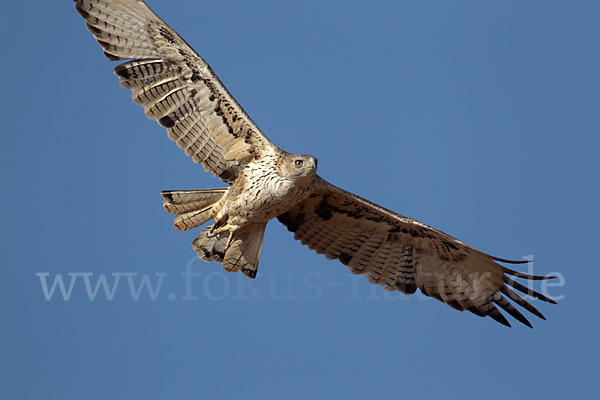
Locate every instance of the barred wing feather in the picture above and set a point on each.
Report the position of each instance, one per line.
(175, 86)
(403, 254)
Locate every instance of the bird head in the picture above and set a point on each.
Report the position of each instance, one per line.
(301, 165)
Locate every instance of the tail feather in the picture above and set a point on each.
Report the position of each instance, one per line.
(179, 201)
(243, 252)
(193, 207)
(210, 248)
(193, 219)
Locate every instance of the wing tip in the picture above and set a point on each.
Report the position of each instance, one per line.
(527, 276)
(521, 274)
(167, 195)
(505, 260)
(80, 10)
(498, 317)
(527, 291)
(510, 309)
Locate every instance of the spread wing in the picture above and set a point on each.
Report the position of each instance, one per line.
(175, 85)
(403, 254)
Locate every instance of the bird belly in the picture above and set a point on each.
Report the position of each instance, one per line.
(264, 196)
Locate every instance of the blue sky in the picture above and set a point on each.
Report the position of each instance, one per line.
(480, 118)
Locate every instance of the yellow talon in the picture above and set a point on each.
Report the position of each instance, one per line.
(226, 228)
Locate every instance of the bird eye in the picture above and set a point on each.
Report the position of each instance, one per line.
(299, 163)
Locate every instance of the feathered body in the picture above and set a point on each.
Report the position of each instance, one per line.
(178, 89)
(267, 188)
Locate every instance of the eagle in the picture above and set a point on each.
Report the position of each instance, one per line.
(179, 89)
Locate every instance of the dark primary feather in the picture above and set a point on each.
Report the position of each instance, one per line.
(403, 254)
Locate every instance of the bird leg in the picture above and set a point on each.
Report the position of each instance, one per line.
(217, 223)
(225, 228)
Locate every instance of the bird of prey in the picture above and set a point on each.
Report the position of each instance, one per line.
(178, 89)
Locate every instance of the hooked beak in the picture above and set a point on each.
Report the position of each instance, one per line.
(312, 166)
